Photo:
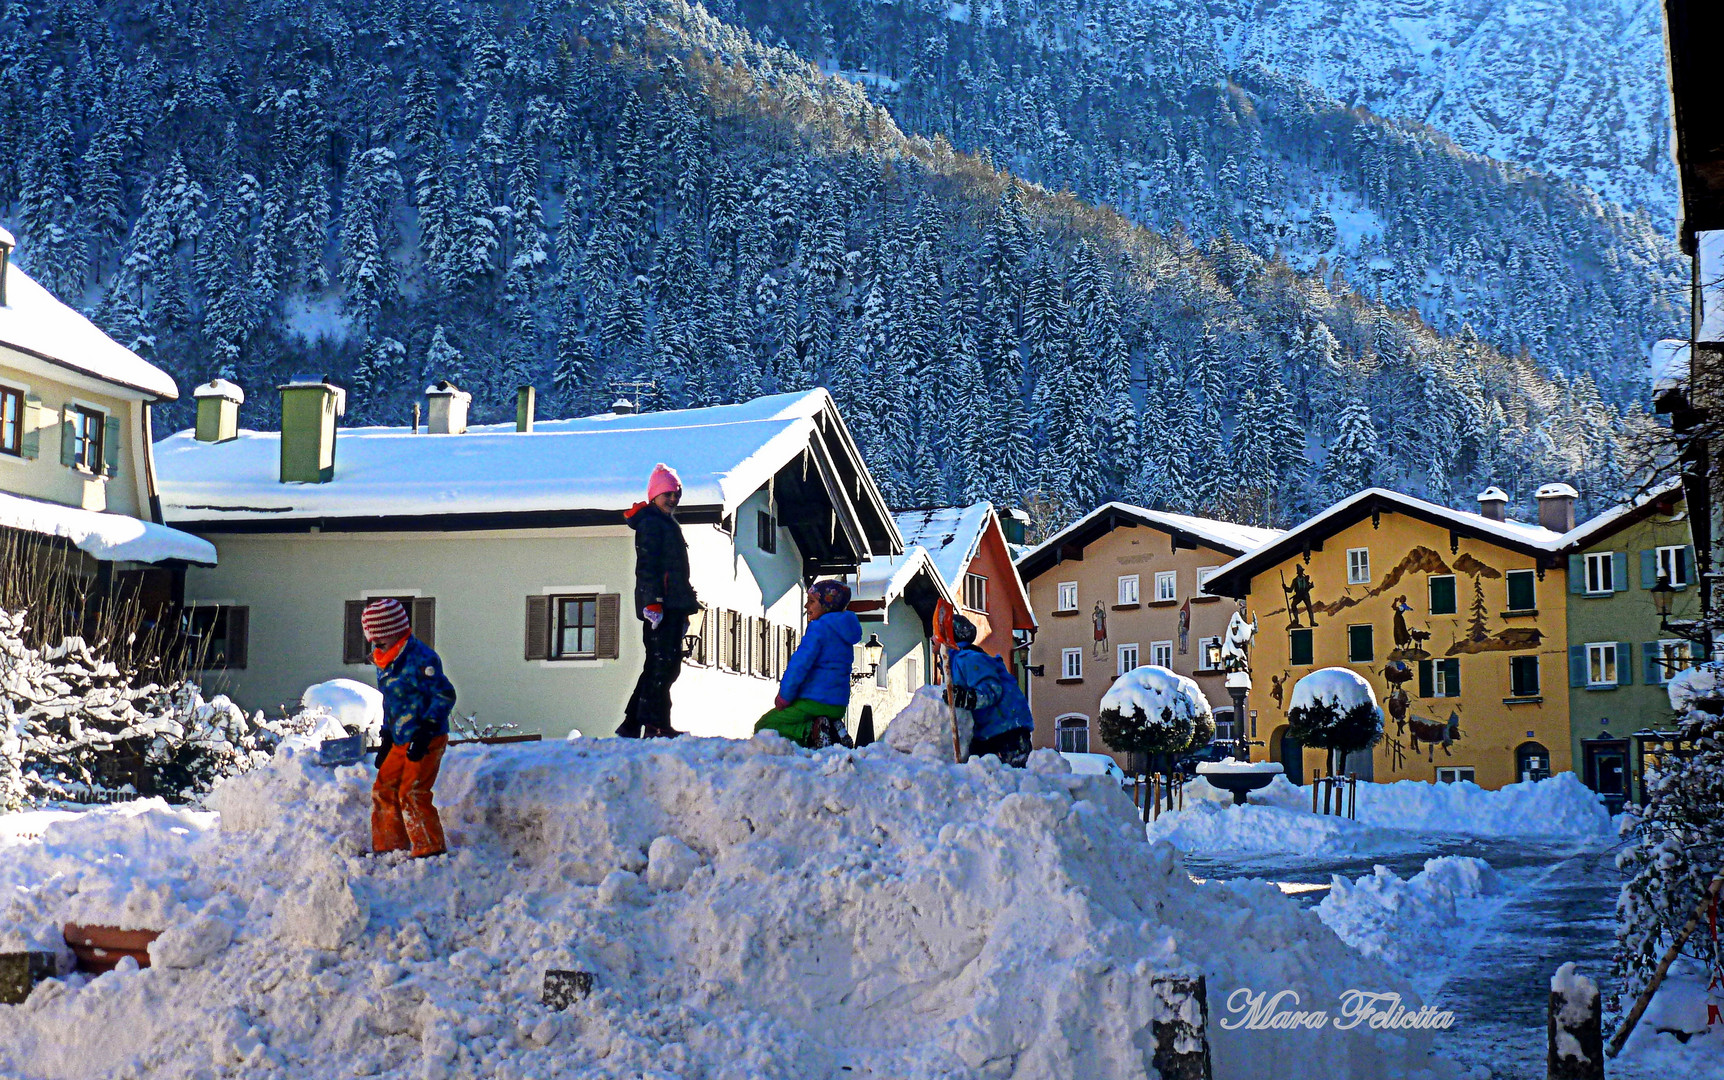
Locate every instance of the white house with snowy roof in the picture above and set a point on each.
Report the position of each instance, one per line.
(508, 544)
(75, 466)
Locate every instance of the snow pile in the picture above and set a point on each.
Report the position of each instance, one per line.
(1696, 686)
(924, 727)
(748, 910)
(1210, 823)
(1154, 690)
(1559, 806)
(1398, 920)
(1343, 688)
(356, 705)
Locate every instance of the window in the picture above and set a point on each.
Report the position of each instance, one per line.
(1224, 725)
(1167, 585)
(1073, 734)
(1358, 566)
(1161, 653)
(1521, 596)
(1523, 676)
(1204, 573)
(1071, 663)
(1454, 774)
(1600, 576)
(765, 532)
(1442, 594)
(1128, 590)
(1361, 648)
(83, 438)
(421, 622)
(1299, 646)
(216, 636)
(1446, 678)
(1601, 661)
(11, 422)
(1673, 566)
(1127, 658)
(1067, 596)
(975, 592)
(576, 634)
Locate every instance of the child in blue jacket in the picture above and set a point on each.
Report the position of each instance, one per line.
(984, 685)
(815, 691)
(417, 700)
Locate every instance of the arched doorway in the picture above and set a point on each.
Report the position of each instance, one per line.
(1531, 762)
(1071, 733)
(1286, 749)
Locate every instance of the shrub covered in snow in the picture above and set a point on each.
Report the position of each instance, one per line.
(1336, 709)
(1151, 710)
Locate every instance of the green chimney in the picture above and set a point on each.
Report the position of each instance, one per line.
(526, 403)
(218, 410)
(309, 408)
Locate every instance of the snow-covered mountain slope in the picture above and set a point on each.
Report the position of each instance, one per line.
(1570, 87)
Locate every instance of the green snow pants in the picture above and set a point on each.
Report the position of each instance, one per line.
(798, 720)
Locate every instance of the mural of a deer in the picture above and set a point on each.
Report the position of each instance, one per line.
(1434, 733)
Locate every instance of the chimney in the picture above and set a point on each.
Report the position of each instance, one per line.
(448, 408)
(309, 407)
(1556, 506)
(6, 246)
(526, 402)
(1493, 503)
(1013, 523)
(218, 410)
(622, 407)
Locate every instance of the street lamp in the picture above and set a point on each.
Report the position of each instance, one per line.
(872, 651)
(1663, 596)
(1212, 654)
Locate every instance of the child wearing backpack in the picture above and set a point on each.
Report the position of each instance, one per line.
(984, 685)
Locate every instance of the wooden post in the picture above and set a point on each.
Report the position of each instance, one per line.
(1316, 782)
(1353, 796)
(1573, 1036)
(1155, 787)
(1182, 1040)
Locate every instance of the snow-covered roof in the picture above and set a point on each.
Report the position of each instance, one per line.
(109, 537)
(34, 322)
(949, 534)
(596, 463)
(1226, 537)
(221, 388)
(1667, 363)
(1620, 516)
(885, 577)
(1556, 490)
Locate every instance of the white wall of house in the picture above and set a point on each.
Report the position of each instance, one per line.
(44, 477)
(903, 666)
(296, 587)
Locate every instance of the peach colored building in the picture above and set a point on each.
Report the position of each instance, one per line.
(1117, 589)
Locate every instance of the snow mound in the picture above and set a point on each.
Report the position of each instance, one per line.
(1559, 806)
(1150, 690)
(748, 910)
(1210, 823)
(1342, 687)
(924, 727)
(358, 706)
(1698, 684)
(1384, 916)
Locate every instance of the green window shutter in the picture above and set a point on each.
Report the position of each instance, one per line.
(1652, 664)
(1452, 669)
(1619, 571)
(1648, 569)
(1427, 679)
(1577, 665)
(1688, 568)
(68, 438)
(111, 444)
(1442, 590)
(1299, 647)
(238, 636)
(538, 628)
(1625, 663)
(31, 446)
(1522, 592)
(1577, 574)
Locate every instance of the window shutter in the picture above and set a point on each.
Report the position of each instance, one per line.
(608, 638)
(238, 636)
(1577, 665)
(1688, 568)
(1577, 574)
(1619, 571)
(1454, 671)
(1625, 663)
(709, 636)
(353, 634)
(1648, 569)
(68, 440)
(424, 616)
(1427, 678)
(31, 445)
(538, 628)
(1652, 664)
(111, 444)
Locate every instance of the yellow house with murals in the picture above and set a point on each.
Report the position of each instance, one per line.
(1457, 619)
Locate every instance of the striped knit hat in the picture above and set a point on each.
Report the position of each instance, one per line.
(384, 621)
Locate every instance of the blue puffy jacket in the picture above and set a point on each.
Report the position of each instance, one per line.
(417, 696)
(1000, 705)
(819, 670)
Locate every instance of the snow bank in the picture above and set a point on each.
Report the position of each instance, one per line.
(748, 910)
(924, 727)
(1397, 920)
(358, 706)
(1697, 684)
(1560, 806)
(1149, 690)
(1210, 823)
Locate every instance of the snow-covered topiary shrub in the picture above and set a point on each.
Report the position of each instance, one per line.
(1151, 710)
(1336, 709)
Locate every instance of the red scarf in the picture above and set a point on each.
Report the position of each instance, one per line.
(384, 657)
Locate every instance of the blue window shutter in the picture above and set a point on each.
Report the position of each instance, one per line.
(31, 446)
(1652, 664)
(1577, 573)
(1625, 663)
(68, 438)
(1619, 571)
(1577, 665)
(1648, 569)
(1427, 681)
(111, 444)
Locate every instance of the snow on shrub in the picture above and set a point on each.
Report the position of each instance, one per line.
(1335, 708)
(1151, 710)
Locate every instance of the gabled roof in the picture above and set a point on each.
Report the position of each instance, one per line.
(1231, 579)
(33, 322)
(1659, 499)
(1225, 537)
(585, 471)
(885, 577)
(949, 537)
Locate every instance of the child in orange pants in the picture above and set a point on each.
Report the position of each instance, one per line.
(417, 700)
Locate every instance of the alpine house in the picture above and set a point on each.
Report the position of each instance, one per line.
(510, 547)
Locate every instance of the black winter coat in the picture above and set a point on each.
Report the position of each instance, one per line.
(661, 563)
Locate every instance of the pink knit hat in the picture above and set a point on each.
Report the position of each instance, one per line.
(384, 621)
(664, 479)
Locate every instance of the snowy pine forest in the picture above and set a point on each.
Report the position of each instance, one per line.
(1047, 256)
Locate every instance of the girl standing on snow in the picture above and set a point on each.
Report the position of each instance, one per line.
(664, 600)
